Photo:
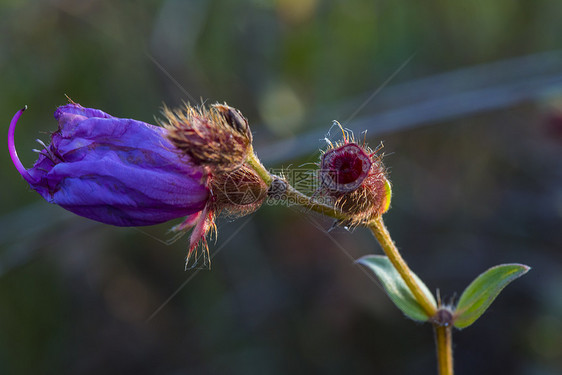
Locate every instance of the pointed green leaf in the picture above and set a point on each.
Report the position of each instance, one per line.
(396, 288)
(478, 296)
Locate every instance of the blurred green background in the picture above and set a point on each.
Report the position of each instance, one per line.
(467, 98)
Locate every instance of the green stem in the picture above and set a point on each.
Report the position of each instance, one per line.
(443, 335)
(383, 237)
(377, 227)
(303, 200)
(444, 345)
(258, 167)
(293, 195)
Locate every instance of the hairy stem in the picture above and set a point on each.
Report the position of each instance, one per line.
(258, 167)
(303, 200)
(444, 345)
(293, 195)
(383, 237)
(377, 227)
(443, 334)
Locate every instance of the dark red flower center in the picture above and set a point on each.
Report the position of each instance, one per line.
(344, 168)
(347, 168)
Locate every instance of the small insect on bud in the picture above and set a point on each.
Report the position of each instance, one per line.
(218, 138)
(234, 118)
(354, 177)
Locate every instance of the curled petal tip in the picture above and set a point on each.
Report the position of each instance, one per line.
(12, 147)
(24, 108)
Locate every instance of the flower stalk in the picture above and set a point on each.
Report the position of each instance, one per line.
(201, 162)
(443, 334)
(383, 237)
(253, 161)
(377, 227)
(293, 194)
(444, 346)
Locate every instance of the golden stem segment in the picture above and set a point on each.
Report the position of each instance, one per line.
(258, 167)
(443, 335)
(383, 237)
(377, 227)
(444, 344)
(294, 196)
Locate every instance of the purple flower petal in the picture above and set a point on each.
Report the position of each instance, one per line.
(117, 171)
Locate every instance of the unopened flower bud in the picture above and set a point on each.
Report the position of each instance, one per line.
(354, 177)
(238, 192)
(343, 169)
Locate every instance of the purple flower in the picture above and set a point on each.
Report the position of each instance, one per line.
(117, 171)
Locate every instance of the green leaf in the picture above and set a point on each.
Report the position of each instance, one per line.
(396, 288)
(480, 294)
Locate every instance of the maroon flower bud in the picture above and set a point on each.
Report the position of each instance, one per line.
(343, 169)
(354, 177)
